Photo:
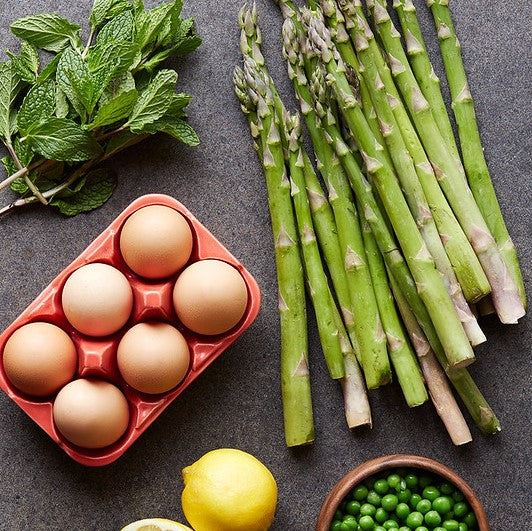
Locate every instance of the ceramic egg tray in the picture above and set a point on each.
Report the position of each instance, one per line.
(152, 301)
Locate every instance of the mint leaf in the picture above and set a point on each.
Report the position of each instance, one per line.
(49, 32)
(89, 193)
(9, 165)
(174, 127)
(61, 103)
(27, 63)
(154, 101)
(116, 109)
(62, 139)
(39, 104)
(104, 9)
(118, 29)
(50, 69)
(10, 86)
(118, 56)
(122, 141)
(148, 29)
(179, 102)
(168, 30)
(121, 84)
(75, 80)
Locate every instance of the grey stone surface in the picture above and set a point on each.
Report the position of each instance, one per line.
(236, 402)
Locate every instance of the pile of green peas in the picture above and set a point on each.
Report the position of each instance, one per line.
(404, 500)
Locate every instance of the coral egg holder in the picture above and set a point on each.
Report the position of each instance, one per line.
(152, 302)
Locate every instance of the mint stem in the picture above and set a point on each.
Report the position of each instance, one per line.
(29, 183)
(89, 42)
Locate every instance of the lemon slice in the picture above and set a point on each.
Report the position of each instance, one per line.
(156, 524)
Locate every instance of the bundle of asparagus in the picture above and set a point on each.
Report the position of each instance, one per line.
(408, 240)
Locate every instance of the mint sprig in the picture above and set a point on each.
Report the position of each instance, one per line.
(62, 120)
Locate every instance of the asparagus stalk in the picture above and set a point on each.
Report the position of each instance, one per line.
(411, 186)
(316, 279)
(295, 380)
(429, 283)
(475, 163)
(462, 256)
(403, 359)
(440, 392)
(366, 323)
(450, 176)
(374, 356)
(427, 79)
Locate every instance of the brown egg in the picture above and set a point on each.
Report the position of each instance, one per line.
(39, 358)
(91, 413)
(153, 357)
(97, 299)
(210, 297)
(156, 241)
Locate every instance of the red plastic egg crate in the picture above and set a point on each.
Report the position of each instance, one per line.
(152, 301)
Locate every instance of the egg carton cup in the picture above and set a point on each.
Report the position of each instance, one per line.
(152, 302)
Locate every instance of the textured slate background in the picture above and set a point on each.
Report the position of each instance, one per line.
(236, 403)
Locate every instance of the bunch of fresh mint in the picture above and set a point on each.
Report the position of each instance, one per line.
(60, 122)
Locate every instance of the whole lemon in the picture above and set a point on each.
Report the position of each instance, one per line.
(229, 490)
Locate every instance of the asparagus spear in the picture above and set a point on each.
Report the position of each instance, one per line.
(429, 283)
(295, 381)
(366, 326)
(401, 355)
(475, 164)
(440, 392)
(427, 79)
(450, 176)
(411, 186)
(316, 279)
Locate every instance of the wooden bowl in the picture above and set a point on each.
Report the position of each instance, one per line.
(375, 466)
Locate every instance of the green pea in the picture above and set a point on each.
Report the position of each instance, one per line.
(353, 507)
(338, 515)
(450, 525)
(373, 498)
(412, 481)
(381, 515)
(470, 519)
(448, 516)
(360, 493)
(414, 520)
(389, 502)
(402, 510)
(460, 509)
(350, 523)
(446, 488)
(457, 496)
(366, 522)
(433, 518)
(344, 527)
(394, 480)
(442, 504)
(368, 509)
(423, 506)
(431, 493)
(379, 528)
(404, 528)
(404, 496)
(421, 528)
(390, 524)
(438, 529)
(414, 500)
(424, 481)
(381, 487)
(462, 526)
